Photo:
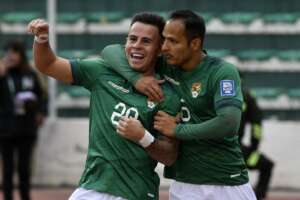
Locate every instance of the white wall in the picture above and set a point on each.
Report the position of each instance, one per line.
(60, 154)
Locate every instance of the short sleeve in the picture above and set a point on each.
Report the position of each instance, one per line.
(86, 71)
(227, 87)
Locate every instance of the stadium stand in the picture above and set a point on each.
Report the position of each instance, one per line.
(260, 37)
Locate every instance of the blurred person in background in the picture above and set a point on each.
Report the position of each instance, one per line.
(255, 160)
(22, 109)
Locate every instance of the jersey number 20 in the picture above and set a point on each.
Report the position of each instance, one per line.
(122, 110)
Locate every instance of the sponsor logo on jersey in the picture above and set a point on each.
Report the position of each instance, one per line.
(235, 175)
(196, 89)
(227, 88)
(150, 195)
(151, 104)
(171, 80)
(118, 87)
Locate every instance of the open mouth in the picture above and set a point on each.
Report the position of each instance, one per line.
(168, 56)
(137, 56)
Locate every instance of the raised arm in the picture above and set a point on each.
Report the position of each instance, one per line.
(44, 58)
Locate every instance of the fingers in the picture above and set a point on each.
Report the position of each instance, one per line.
(37, 27)
(160, 115)
(150, 87)
(161, 81)
(154, 93)
(178, 118)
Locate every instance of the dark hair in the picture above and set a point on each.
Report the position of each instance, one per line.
(151, 19)
(18, 47)
(194, 24)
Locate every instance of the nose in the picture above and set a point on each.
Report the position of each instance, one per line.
(137, 44)
(164, 47)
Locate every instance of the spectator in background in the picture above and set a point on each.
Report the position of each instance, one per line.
(255, 160)
(21, 112)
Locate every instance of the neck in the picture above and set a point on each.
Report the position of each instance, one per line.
(194, 61)
(149, 72)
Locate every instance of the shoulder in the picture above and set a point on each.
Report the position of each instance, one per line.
(90, 61)
(220, 65)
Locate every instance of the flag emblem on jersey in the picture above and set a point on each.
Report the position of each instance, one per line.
(196, 89)
(227, 88)
(151, 104)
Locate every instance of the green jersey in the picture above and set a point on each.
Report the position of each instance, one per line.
(212, 86)
(115, 165)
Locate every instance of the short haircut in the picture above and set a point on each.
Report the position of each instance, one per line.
(151, 19)
(194, 24)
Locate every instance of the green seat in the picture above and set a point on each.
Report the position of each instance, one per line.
(20, 17)
(285, 18)
(29, 54)
(239, 17)
(71, 54)
(105, 17)
(164, 14)
(207, 16)
(289, 55)
(73, 91)
(255, 54)
(219, 52)
(294, 93)
(269, 93)
(68, 18)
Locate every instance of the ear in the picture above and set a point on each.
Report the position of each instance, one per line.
(196, 44)
(160, 49)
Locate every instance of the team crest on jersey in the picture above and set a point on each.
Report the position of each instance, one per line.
(227, 88)
(196, 89)
(151, 104)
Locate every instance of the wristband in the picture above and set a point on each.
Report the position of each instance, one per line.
(146, 140)
(42, 38)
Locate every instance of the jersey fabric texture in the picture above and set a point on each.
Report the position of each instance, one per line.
(115, 165)
(211, 87)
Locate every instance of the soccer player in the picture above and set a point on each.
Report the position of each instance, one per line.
(116, 168)
(255, 160)
(210, 163)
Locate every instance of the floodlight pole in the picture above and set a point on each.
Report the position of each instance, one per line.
(51, 18)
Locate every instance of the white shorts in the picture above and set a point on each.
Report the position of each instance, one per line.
(84, 194)
(184, 191)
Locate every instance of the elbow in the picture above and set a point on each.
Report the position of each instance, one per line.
(232, 125)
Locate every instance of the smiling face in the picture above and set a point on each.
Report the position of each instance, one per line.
(142, 47)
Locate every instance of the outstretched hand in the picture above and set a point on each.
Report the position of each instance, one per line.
(165, 123)
(150, 86)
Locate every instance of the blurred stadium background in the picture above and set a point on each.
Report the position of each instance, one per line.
(261, 37)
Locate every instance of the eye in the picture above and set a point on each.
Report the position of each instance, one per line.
(131, 39)
(146, 40)
(172, 40)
